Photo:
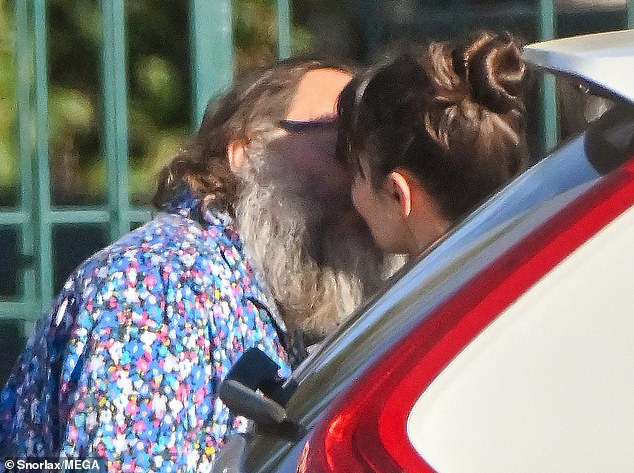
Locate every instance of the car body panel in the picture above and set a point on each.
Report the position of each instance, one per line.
(549, 383)
(602, 59)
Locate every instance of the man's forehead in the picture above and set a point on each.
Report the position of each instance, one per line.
(317, 94)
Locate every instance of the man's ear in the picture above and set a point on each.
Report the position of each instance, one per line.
(400, 188)
(235, 155)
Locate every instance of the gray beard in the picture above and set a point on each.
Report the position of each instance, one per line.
(316, 255)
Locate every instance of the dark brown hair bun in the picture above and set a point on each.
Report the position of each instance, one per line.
(494, 71)
(449, 113)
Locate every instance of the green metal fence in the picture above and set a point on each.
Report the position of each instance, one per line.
(35, 217)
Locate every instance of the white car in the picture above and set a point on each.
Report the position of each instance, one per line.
(509, 346)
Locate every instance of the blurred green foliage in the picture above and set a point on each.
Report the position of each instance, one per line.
(8, 148)
(159, 96)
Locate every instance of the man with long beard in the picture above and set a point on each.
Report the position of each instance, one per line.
(296, 217)
(127, 364)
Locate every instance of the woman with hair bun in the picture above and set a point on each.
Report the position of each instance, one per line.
(432, 133)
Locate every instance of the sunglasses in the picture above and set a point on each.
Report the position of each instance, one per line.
(312, 125)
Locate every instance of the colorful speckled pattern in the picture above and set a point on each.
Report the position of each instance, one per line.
(127, 364)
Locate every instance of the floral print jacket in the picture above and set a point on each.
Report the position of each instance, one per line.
(127, 364)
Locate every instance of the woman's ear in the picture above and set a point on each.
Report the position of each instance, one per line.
(235, 155)
(399, 186)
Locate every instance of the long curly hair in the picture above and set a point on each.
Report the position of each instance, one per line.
(249, 113)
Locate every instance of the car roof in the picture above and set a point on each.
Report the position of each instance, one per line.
(605, 60)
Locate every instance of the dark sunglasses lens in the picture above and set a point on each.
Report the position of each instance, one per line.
(297, 126)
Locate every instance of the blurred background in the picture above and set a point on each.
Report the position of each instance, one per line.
(95, 96)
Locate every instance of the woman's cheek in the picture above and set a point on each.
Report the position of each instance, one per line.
(357, 198)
